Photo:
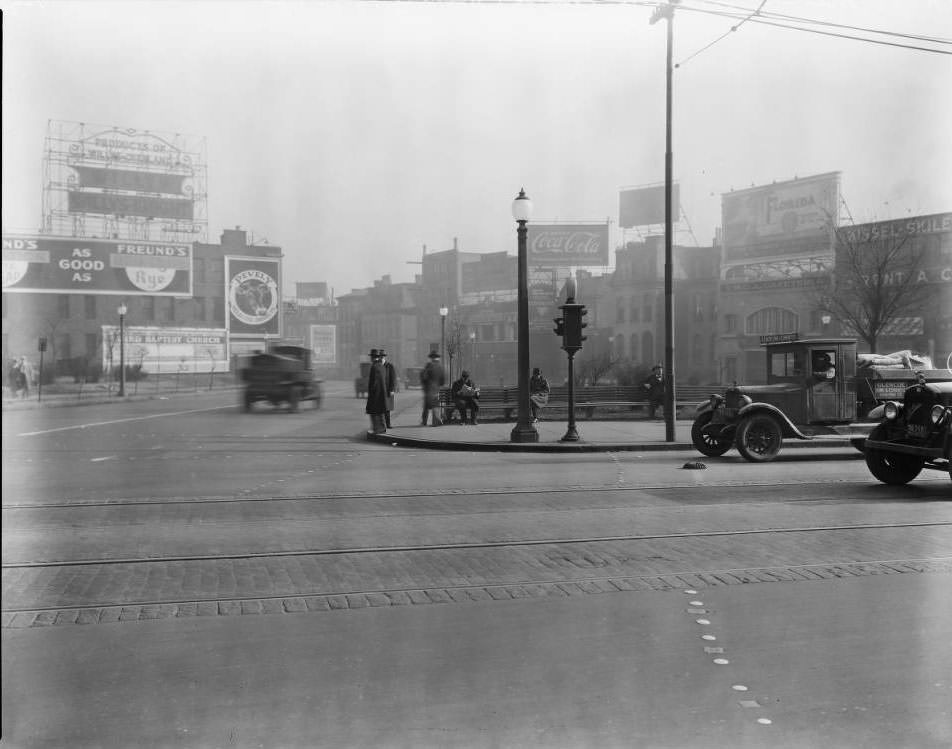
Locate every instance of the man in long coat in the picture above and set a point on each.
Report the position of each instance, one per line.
(391, 372)
(432, 378)
(377, 393)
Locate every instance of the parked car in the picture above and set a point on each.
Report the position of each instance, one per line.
(914, 434)
(281, 375)
(813, 392)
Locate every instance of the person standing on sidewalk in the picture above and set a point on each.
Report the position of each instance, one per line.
(538, 393)
(391, 388)
(376, 393)
(432, 378)
(654, 384)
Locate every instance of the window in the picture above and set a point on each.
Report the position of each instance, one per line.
(89, 304)
(620, 315)
(172, 306)
(772, 320)
(148, 308)
(92, 346)
(633, 311)
(649, 309)
(786, 364)
(730, 323)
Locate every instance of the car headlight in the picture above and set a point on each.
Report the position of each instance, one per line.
(938, 414)
(891, 410)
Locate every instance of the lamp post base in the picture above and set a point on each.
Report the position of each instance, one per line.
(523, 433)
(570, 435)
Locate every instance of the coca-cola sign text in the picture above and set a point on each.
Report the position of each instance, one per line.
(567, 244)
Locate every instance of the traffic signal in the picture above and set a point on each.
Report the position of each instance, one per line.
(559, 328)
(572, 337)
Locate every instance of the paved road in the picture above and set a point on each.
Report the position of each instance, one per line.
(180, 574)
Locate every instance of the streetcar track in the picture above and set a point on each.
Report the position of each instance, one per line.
(460, 546)
(914, 492)
(664, 581)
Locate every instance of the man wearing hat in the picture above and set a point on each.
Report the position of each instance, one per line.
(432, 378)
(654, 384)
(466, 398)
(391, 381)
(376, 393)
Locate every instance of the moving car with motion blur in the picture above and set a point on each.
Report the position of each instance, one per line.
(915, 433)
(814, 392)
(283, 374)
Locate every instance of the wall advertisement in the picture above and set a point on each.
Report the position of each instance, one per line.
(324, 344)
(253, 294)
(80, 265)
(567, 245)
(167, 350)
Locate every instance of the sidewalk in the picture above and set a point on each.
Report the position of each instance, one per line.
(594, 436)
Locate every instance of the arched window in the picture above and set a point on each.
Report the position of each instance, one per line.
(771, 320)
(633, 345)
(618, 344)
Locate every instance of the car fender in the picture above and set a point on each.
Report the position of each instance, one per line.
(789, 429)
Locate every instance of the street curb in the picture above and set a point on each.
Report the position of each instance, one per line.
(562, 447)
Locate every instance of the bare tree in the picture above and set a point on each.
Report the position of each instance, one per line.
(210, 352)
(874, 282)
(454, 341)
(593, 367)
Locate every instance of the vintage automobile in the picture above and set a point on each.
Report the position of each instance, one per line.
(281, 375)
(914, 434)
(813, 392)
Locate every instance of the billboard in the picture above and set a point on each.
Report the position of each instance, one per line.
(124, 183)
(642, 206)
(565, 245)
(167, 350)
(79, 265)
(253, 291)
(324, 344)
(784, 218)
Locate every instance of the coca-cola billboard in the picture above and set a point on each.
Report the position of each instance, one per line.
(559, 245)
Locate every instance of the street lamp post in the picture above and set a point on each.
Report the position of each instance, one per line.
(444, 311)
(523, 431)
(122, 349)
(472, 351)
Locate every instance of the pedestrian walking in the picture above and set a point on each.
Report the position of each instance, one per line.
(391, 387)
(376, 393)
(654, 384)
(538, 393)
(432, 378)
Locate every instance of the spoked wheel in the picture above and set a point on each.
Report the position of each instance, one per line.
(705, 442)
(759, 438)
(891, 468)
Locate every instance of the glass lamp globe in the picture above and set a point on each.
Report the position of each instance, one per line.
(521, 207)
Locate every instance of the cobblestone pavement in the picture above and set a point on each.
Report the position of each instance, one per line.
(100, 593)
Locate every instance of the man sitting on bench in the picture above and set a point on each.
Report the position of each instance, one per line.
(465, 397)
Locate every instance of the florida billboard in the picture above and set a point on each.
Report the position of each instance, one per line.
(79, 265)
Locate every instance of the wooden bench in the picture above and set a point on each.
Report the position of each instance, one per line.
(505, 400)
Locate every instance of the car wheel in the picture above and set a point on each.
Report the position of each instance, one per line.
(704, 441)
(759, 438)
(894, 469)
(293, 397)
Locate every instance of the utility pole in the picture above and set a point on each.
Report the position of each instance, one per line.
(667, 12)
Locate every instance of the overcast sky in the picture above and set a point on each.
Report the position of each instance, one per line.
(353, 133)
